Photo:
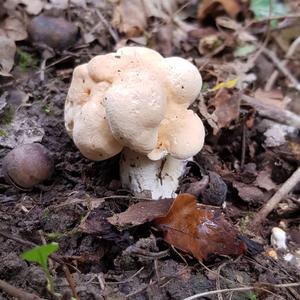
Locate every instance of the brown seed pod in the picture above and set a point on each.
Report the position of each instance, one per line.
(27, 165)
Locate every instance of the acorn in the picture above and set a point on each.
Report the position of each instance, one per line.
(27, 165)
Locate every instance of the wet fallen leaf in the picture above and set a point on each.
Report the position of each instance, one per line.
(208, 7)
(7, 55)
(199, 231)
(140, 213)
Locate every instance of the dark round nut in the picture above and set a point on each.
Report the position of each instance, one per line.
(27, 165)
(54, 32)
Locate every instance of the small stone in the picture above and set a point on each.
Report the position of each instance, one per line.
(54, 32)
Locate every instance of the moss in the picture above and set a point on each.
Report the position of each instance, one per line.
(8, 115)
(26, 60)
(3, 133)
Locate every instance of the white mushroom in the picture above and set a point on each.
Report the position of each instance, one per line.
(137, 101)
(278, 238)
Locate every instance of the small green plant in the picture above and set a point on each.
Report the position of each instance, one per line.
(40, 256)
(3, 133)
(252, 296)
(26, 60)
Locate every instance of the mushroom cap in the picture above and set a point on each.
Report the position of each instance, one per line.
(138, 99)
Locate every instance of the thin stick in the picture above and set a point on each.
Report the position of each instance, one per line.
(112, 32)
(273, 113)
(276, 198)
(282, 68)
(293, 47)
(17, 292)
(246, 288)
(71, 282)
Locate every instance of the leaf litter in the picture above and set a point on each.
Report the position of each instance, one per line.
(223, 42)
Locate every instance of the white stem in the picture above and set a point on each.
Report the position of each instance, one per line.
(148, 178)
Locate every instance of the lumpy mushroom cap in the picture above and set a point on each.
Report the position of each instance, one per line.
(134, 98)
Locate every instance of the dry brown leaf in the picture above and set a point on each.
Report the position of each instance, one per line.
(227, 108)
(140, 213)
(7, 55)
(249, 193)
(208, 7)
(264, 180)
(33, 7)
(273, 97)
(199, 231)
(129, 17)
(14, 29)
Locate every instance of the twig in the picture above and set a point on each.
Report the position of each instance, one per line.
(243, 155)
(293, 47)
(246, 288)
(273, 113)
(128, 279)
(276, 198)
(70, 280)
(282, 68)
(17, 292)
(113, 33)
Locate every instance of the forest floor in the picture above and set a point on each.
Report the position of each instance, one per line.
(249, 61)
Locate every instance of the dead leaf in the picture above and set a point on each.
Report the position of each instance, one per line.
(249, 193)
(211, 44)
(227, 108)
(273, 97)
(14, 29)
(33, 7)
(7, 55)
(207, 7)
(96, 223)
(199, 231)
(264, 180)
(130, 18)
(140, 213)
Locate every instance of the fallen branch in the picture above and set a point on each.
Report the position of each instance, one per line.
(294, 46)
(246, 288)
(273, 113)
(276, 198)
(17, 292)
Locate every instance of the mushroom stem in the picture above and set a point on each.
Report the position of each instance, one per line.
(149, 178)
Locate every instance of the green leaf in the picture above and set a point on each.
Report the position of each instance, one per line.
(261, 9)
(244, 50)
(40, 254)
(252, 296)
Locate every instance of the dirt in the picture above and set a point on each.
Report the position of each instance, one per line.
(100, 258)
